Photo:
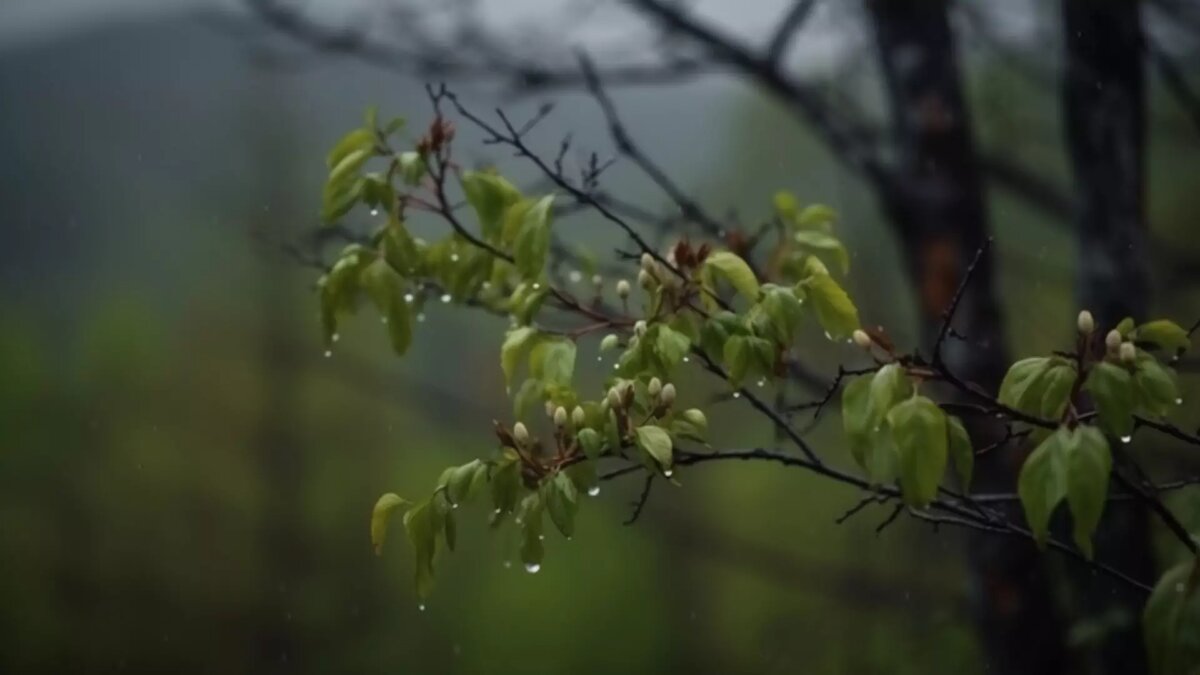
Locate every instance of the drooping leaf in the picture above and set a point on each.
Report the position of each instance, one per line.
(1171, 621)
(1111, 387)
(491, 196)
(1021, 389)
(919, 429)
(855, 418)
(591, 442)
(1042, 483)
(824, 243)
(670, 345)
(381, 515)
(562, 502)
(1055, 385)
(783, 312)
(1089, 462)
(817, 216)
(736, 271)
(1154, 386)
(553, 362)
(961, 453)
(889, 386)
(423, 525)
(516, 342)
(359, 140)
(656, 443)
(835, 310)
(1166, 334)
(532, 243)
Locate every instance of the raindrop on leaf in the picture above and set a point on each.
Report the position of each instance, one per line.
(532, 568)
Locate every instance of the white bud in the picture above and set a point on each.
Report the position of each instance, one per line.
(654, 387)
(623, 289)
(614, 398)
(647, 262)
(696, 417)
(597, 280)
(1128, 352)
(861, 338)
(1086, 322)
(610, 341)
(668, 394)
(549, 408)
(645, 280)
(520, 433)
(560, 417)
(578, 417)
(639, 328)
(1112, 340)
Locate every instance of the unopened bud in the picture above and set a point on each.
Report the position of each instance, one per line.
(597, 280)
(550, 408)
(861, 338)
(696, 417)
(578, 417)
(610, 341)
(1128, 352)
(668, 394)
(655, 387)
(647, 262)
(1086, 322)
(614, 398)
(623, 289)
(1112, 340)
(520, 433)
(639, 328)
(560, 417)
(645, 280)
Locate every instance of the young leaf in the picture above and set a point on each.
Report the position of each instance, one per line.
(1154, 387)
(1171, 621)
(1166, 334)
(532, 243)
(825, 244)
(855, 418)
(359, 140)
(553, 362)
(1111, 388)
(736, 271)
(656, 443)
(919, 429)
(1088, 465)
(737, 357)
(491, 196)
(591, 442)
(562, 501)
(506, 484)
(835, 311)
(889, 386)
(1043, 482)
(670, 345)
(818, 216)
(959, 444)
(1020, 386)
(422, 524)
(1055, 386)
(783, 311)
(515, 343)
(381, 516)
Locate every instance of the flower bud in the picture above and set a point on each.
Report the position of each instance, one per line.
(550, 409)
(560, 417)
(578, 417)
(614, 398)
(1086, 322)
(639, 328)
(696, 417)
(610, 341)
(668, 394)
(1128, 352)
(645, 280)
(1112, 340)
(861, 338)
(597, 280)
(655, 387)
(647, 262)
(520, 433)
(623, 289)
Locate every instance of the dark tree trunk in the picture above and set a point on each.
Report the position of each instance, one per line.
(1104, 119)
(936, 201)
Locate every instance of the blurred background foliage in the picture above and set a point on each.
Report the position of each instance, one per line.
(185, 482)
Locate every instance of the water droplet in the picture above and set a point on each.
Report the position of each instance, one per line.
(532, 568)
(1179, 401)
(594, 491)
(497, 512)
(600, 359)
(409, 297)
(335, 337)
(328, 353)
(454, 505)
(616, 365)
(1126, 439)
(737, 394)
(762, 382)
(597, 279)
(445, 298)
(453, 257)
(383, 319)
(828, 336)
(519, 522)
(507, 564)
(421, 607)
(486, 285)
(575, 276)
(667, 473)
(374, 212)
(541, 537)
(687, 359)
(421, 317)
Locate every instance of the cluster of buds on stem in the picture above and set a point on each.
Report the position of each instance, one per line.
(1118, 347)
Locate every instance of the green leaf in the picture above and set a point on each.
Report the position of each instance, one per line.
(783, 310)
(553, 362)
(961, 452)
(381, 516)
(889, 386)
(835, 310)
(1154, 386)
(1171, 621)
(670, 345)
(359, 140)
(1125, 327)
(1055, 385)
(386, 289)
(919, 428)
(562, 501)
(339, 197)
(1043, 482)
(855, 418)
(491, 196)
(1166, 334)
(1022, 387)
(423, 524)
(691, 424)
(656, 443)
(532, 243)
(516, 341)
(737, 358)
(591, 442)
(529, 395)
(506, 484)
(817, 215)
(412, 168)
(532, 549)
(1089, 462)
(1111, 387)
(826, 244)
(786, 205)
(736, 271)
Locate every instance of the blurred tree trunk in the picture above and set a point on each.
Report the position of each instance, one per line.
(1104, 120)
(937, 205)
